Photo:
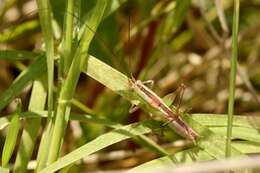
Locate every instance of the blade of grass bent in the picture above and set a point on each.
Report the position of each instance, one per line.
(68, 89)
(30, 132)
(34, 70)
(11, 34)
(186, 156)
(192, 155)
(99, 143)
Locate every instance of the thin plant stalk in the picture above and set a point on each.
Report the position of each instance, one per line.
(232, 79)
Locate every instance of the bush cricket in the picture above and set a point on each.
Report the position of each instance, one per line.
(157, 104)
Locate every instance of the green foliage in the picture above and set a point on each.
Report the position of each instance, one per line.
(57, 98)
(11, 136)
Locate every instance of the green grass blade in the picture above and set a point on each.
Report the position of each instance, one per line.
(112, 6)
(232, 80)
(12, 54)
(186, 156)
(99, 143)
(10, 140)
(26, 27)
(247, 146)
(46, 25)
(67, 168)
(34, 70)
(68, 28)
(66, 53)
(4, 170)
(209, 120)
(42, 155)
(31, 128)
(192, 155)
(85, 117)
(220, 120)
(176, 18)
(240, 133)
(67, 91)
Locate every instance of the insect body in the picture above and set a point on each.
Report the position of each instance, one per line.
(157, 103)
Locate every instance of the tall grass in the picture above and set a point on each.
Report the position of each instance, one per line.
(53, 100)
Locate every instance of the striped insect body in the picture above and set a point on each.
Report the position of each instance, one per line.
(154, 101)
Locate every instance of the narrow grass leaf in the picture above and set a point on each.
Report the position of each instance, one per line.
(220, 120)
(22, 29)
(247, 146)
(193, 155)
(67, 168)
(46, 25)
(68, 29)
(4, 170)
(186, 156)
(63, 108)
(34, 70)
(112, 6)
(176, 17)
(10, 140)
(210, 141)
(13, 54)
(31, 128)
(240, 133)
(232, 79)
(5, 120)
(209, 120)
(99, 143)
(85, 117)
(42, 155)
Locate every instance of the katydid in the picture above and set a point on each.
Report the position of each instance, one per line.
(157, 103)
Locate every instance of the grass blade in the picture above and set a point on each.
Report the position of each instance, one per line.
(4, 170)
(192, 155)
(67, 91)
(99, 143)
(32, 126)
(67, 43)
(232, 80)
(12, 54)
(34, 70)
(46, 25)
(18, 31)
(10, 140)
